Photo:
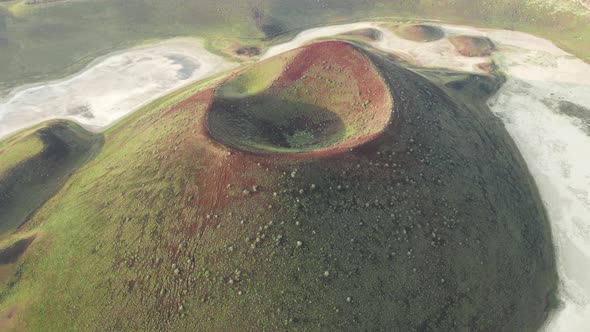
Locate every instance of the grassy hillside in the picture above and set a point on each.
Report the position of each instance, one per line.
(48, 41)
(171, 228)
(41, 42)
(35, 163)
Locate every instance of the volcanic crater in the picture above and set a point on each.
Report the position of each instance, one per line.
(328, 97)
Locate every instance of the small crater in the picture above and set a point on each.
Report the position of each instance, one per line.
(473, 46)
(81, 110)
(368, 34)
(248, 51)
(420, 32)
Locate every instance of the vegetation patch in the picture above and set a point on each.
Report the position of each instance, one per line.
(255, 80)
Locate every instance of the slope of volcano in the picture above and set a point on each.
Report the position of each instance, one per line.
(330, 187)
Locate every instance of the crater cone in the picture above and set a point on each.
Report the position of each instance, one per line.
(473, 46)
(324, 97)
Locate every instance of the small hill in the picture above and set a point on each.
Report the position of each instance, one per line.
(35, 163)
(420, 32)
(327, 97)
(326, 188)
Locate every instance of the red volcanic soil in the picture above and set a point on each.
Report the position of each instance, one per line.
(473, 46)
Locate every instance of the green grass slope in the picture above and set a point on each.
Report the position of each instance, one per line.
(35, 163)
(255, 80)
(431, 225)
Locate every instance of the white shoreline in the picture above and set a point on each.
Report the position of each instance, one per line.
(111, 86)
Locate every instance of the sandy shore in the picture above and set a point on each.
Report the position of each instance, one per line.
(112, 86)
